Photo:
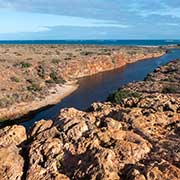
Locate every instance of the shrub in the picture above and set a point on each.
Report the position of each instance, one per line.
(50, 81)
(119, 95)
(34, 87)
(67, 58)
(55, 61)
(170, 79)
(18, 54)
(15, 79)
(54, 76)
(4, 102)
(57, 52)
(24, 64)
(29, 59)
(166, 90)
(113, 61)
(86, 53)
(41, 71)
(53, 46)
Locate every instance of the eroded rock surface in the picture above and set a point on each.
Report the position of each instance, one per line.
(84, 146)
(130, 141)
(11, 160)
(164, 79)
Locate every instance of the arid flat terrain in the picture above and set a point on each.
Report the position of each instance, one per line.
(31, 73)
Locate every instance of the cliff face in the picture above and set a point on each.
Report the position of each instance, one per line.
(135, 139)
(86, 66)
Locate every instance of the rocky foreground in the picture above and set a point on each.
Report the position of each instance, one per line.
(133, 138)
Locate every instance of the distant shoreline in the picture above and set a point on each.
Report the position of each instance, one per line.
(96, 42)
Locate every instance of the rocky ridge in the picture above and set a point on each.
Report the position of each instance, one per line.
(135, 139)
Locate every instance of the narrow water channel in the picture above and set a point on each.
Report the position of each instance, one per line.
(97, 87)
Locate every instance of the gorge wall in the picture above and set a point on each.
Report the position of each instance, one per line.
(90, 64)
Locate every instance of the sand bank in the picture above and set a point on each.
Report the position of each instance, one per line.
(56, 95)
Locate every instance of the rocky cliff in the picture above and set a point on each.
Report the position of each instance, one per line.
(136, 138)
(90, 63)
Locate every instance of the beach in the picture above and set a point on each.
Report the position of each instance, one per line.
(56, 95)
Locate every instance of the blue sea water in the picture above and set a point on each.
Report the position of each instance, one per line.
(97, 42)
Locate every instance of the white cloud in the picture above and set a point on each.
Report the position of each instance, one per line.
(172, 24)
(37, 22)
(168, 11)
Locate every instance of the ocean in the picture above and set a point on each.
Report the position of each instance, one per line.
(97, 42)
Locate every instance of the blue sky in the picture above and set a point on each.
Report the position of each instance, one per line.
(89, 19)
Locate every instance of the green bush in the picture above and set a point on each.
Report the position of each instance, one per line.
(25, 64)
(15, 79)
(119, 95)
(50, 81)
(113, 61)
(67, 58)
(41, 71)
(85, 53)
(5, 102)
(54, 76)
(34, 87)
(166, 90)
(55, 61)
(170, 79)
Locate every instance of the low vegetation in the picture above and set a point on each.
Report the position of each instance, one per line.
(118, 96)
(34, 87)
(24, 65)
(86, 53)
(55, 61)
(55, 77)
(169, 89)
(15, 79)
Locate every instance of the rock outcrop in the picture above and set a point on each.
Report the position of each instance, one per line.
(164, 79)
(11, 160)
(135, 139)
(115, 58)
(110, 142)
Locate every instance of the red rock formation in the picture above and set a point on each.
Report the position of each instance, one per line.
(11, 161)
(86, 66)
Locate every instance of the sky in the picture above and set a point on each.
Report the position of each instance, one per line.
(89, 19)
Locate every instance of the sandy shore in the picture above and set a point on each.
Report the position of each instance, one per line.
(56, 95)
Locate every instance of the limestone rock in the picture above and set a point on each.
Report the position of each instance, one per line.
(11, 163)
(11, 160)
(12, 135)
